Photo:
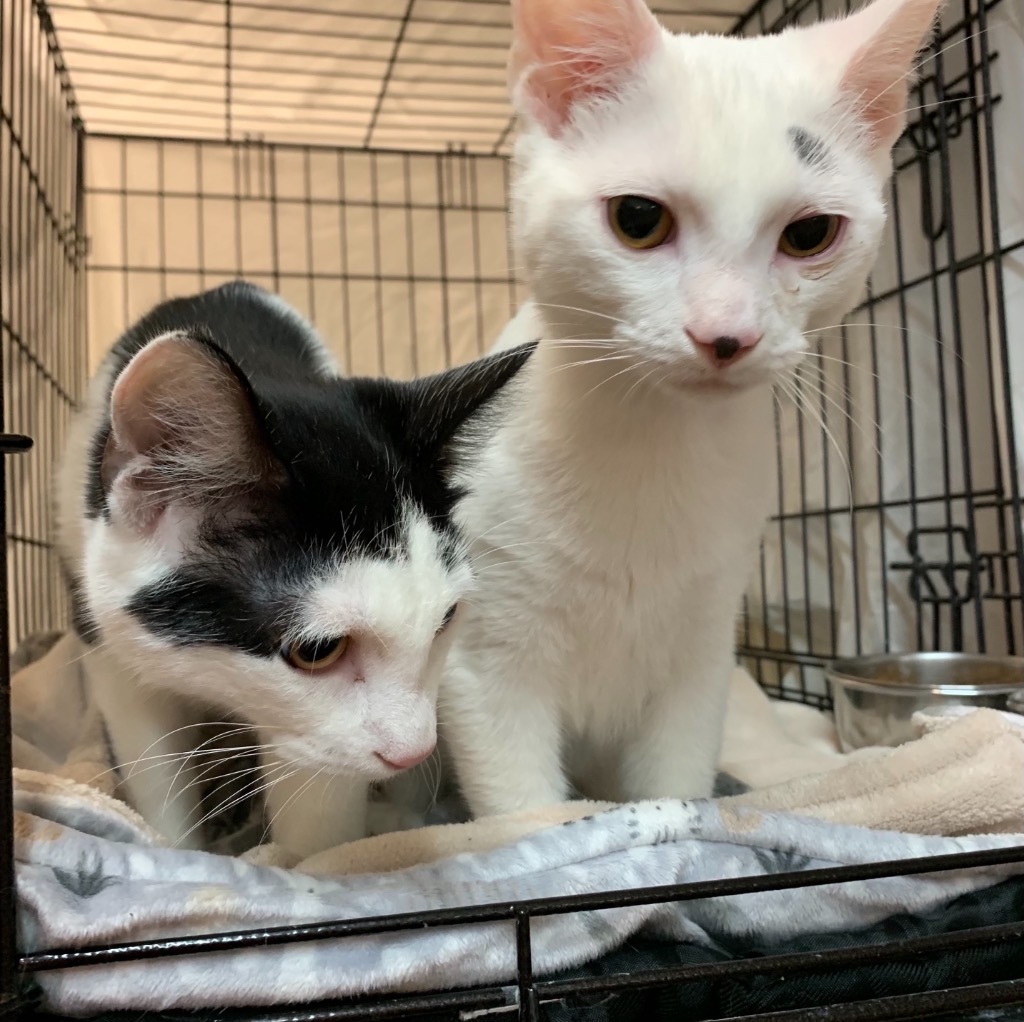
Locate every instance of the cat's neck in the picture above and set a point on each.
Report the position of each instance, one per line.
(606, 436)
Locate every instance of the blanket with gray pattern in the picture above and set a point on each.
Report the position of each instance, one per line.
(89, 873)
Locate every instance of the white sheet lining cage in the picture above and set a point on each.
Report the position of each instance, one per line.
(353, 157)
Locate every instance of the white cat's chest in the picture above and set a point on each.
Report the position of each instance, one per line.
(599, 569)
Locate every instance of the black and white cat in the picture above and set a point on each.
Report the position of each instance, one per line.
(247, 532)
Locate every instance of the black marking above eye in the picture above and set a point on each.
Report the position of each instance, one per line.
(809, 149)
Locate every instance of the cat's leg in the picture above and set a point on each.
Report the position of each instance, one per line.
(505, 739)
(309, 811)
(674, 752)
(152, 735)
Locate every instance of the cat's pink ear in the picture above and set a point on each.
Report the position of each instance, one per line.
(182, 429)
(564, 51)
(879, 45)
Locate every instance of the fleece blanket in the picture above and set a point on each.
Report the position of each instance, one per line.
(90, 871)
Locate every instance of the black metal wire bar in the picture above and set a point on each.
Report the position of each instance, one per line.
(973, 75)
(801, 449)
(9, 979)
(304, 68)
(342, 33)
(159, 83)
(346, 276)
(317, 201)
(389, 70)
(282, 274)
(783, 546)
(275, 227)
(444, 279)
(410, 266)
(833, 959)
(376, 263)
(948, 1003)
(228, 133)
(956, 322)
(125, 237)
(473, 203)
(528, 1008)
(109, 34)
(1008, 439)
(429, 1007)
(883, 553)
(826, 461)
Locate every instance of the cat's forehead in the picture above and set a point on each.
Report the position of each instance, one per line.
(716, 100)
(757, 81)
(401, 596)
(741, 126)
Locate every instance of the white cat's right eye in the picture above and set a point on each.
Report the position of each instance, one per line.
(315, 654)
(639, 222)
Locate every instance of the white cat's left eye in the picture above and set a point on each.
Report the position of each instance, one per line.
(810, 235)
(315, 654)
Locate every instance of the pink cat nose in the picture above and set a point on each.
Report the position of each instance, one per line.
(725, 347)
(405, 760)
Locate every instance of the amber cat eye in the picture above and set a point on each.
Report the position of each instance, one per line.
(639, 222)
(810, 236)
(315, 654)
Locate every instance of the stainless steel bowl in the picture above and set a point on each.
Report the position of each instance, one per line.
(875, 697)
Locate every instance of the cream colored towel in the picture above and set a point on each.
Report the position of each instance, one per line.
(963, 776)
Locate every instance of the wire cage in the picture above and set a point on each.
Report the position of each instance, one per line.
(382, 216)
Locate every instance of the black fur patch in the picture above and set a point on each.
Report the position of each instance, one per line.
(809, 150)
(354, 451)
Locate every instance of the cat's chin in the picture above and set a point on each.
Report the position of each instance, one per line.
(680, 375)
(721, 381)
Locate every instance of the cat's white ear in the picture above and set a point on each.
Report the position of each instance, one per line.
(182, 429)
(564, 51)
(878, 45)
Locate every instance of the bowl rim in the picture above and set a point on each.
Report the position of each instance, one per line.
(845, 672)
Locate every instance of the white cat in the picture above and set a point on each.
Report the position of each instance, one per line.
(687, 209)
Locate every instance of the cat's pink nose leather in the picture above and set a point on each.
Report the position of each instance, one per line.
(405, 761)
(724, 348)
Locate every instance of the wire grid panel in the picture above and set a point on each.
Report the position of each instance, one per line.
(407, 74)
(401, 259)
(898, 524)
(41, 300)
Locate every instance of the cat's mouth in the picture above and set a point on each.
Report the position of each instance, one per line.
(732, 377)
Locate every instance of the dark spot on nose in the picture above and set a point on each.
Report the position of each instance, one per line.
(725, 347)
